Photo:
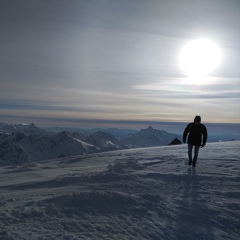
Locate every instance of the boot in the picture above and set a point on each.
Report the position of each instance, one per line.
(194, 162)
(190, 161)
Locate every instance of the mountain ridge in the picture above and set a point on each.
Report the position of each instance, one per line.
(29, 143)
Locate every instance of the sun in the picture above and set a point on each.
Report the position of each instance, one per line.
(199, 57)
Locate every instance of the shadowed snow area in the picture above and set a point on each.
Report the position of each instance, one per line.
(148, 193)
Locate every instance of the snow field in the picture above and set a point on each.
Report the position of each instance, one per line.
(132, 194)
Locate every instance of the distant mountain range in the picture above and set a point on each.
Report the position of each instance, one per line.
(27, 129)
(22, 143)
(150, 137)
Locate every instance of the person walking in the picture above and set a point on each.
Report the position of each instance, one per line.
(197, 137)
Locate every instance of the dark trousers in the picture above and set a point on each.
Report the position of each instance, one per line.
(196, 149)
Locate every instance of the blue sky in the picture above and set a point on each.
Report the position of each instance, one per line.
(100, 62)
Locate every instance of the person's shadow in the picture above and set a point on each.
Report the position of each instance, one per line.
(192, 220)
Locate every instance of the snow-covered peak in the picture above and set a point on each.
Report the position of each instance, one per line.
(151, 137)
(23, 124)
(27, 129)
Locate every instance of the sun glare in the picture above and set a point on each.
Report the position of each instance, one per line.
(199, 57)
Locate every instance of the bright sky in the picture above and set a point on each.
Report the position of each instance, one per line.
(91, 62)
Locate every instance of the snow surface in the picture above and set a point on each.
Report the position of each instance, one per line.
(148, 193)
(85, 145)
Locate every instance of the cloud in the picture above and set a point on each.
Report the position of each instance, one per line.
(114, 59)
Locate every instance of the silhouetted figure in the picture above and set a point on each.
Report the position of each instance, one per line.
(195, 131)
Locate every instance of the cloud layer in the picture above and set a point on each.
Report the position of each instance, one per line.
(115, 60)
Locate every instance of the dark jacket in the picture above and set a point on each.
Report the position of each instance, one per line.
(195, 131)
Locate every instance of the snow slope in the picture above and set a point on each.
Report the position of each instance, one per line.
(147, 193)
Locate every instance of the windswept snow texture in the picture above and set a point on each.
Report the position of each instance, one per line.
(137, 194)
